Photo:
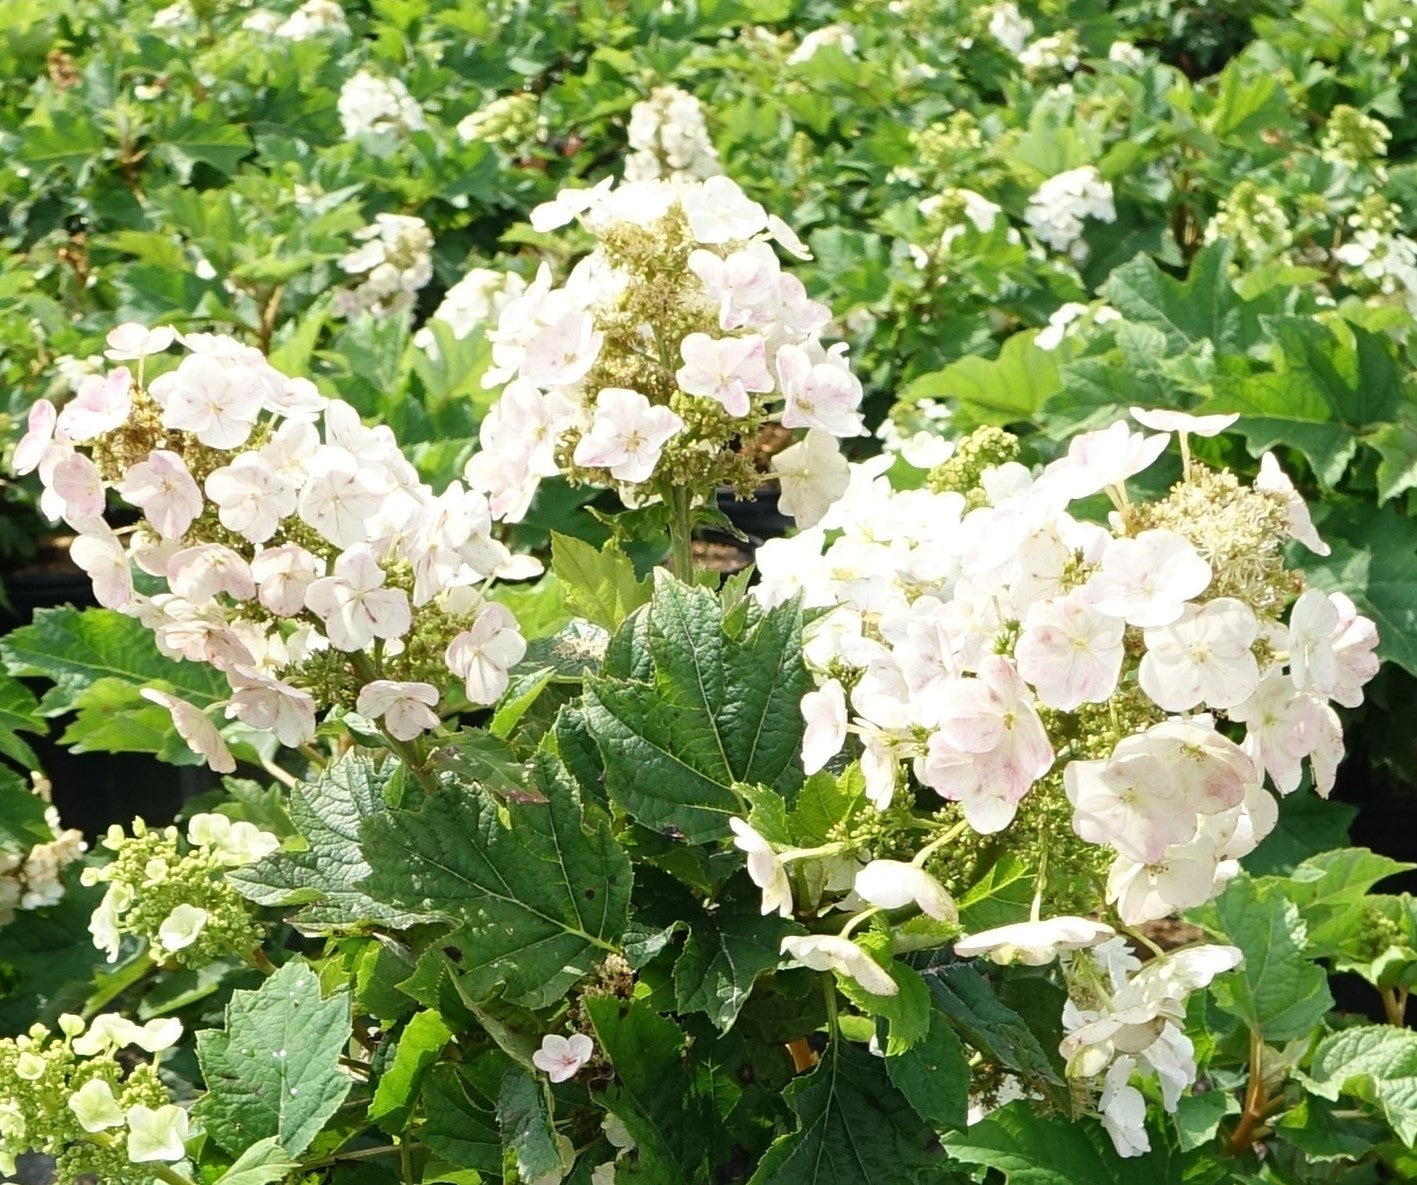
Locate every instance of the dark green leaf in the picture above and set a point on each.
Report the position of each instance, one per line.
(854, 1128)
(684, 711)
(537, 895)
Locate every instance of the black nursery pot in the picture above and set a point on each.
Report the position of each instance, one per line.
(92, 790)
(759, 519)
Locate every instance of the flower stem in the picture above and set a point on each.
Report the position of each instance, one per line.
(122, 980)
(938, 842)
(681, 529)
(171, 1176)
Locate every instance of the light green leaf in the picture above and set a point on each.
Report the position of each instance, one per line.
(325, 878)
(1376, 1064)
(1201, 307)
(525, 1120)
(76, 648)
(1331, 889)
(600, 585)
(1396, 446)
(1029, 1149)
(274, 1070)
(1277, 991)
(265, 1161)
(418, 1047)
(854, 1128)
(539, 897)
(684, 710)
(1009, 389)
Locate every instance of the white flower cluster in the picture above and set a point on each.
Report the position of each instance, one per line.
(395, 261)
(1056, 210)
(1009, 27)
(371, 106)
(1058, 51)
(1377, 257)
(473, 302)
(957, 625)
(314, 18)
(669, 139)
(916, 431)
(32, 879)
(1121, 1019)
(300, 550)
(953, 212)
(677, 334)
(837, 35)
(67, 1098)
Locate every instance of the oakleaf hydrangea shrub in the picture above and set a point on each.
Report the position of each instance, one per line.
(979, 836)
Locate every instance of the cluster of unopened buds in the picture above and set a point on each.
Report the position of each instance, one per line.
(66, 1094)
(676, 338)
(178, 903)
(298, 550)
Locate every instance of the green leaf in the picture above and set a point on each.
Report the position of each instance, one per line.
(418, 1047)
(1331, 889)
(685, 710)
(1376, 1064)
(325, 878)
(907, 1013)
(599, 585)
(1277, 990)
(1198, 1116)
(1320, 395)
(1029, 1149)
(459, 1125)
(538, 896)
(1396, 446)
(525, 1120)
(725, 954)
(481, 759)
(991, 1027)
(22, 821)
(653, 1094)
(274, 1070)
(19, 712)
(1374, 561)
(76, 648)
(265, 1161)
(1009, 389)
(218, 143)
(854, 1128)
(1201, 307)
(934, 1075)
